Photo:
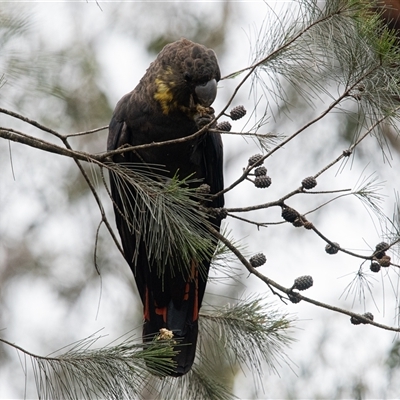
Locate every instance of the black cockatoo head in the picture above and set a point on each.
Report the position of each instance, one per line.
(185, 76)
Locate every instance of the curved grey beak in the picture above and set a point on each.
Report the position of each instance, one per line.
(206, 93)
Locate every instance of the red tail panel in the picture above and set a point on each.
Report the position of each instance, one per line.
(180, 317)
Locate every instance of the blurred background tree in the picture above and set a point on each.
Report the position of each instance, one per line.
(66, 65)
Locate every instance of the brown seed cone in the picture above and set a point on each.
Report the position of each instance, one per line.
(256, 160)
(309, 182)
(332, 249)
(262, 181)
(289, 214)
(384, 261)
(237, 112)
(224, 126)
(303, 282)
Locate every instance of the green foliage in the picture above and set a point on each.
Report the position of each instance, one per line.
(393, 360)
(166, 213)
(199, 383)
(342, 46)
(251, 332)
(112, 372)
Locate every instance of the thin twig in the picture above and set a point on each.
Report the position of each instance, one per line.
(327, 202)
(31, 122)
(258, 224)
(102, 128)
(28, 353)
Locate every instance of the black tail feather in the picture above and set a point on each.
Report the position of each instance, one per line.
(185, 330)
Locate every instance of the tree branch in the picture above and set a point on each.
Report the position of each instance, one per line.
(270, 283)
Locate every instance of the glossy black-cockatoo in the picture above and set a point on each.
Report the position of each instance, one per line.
(171, 101)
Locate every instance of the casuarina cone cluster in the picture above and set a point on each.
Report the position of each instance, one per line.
(171, 101)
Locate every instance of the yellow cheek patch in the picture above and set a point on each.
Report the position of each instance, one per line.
(164, 94)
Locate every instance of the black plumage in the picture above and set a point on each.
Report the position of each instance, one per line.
(171, 101)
